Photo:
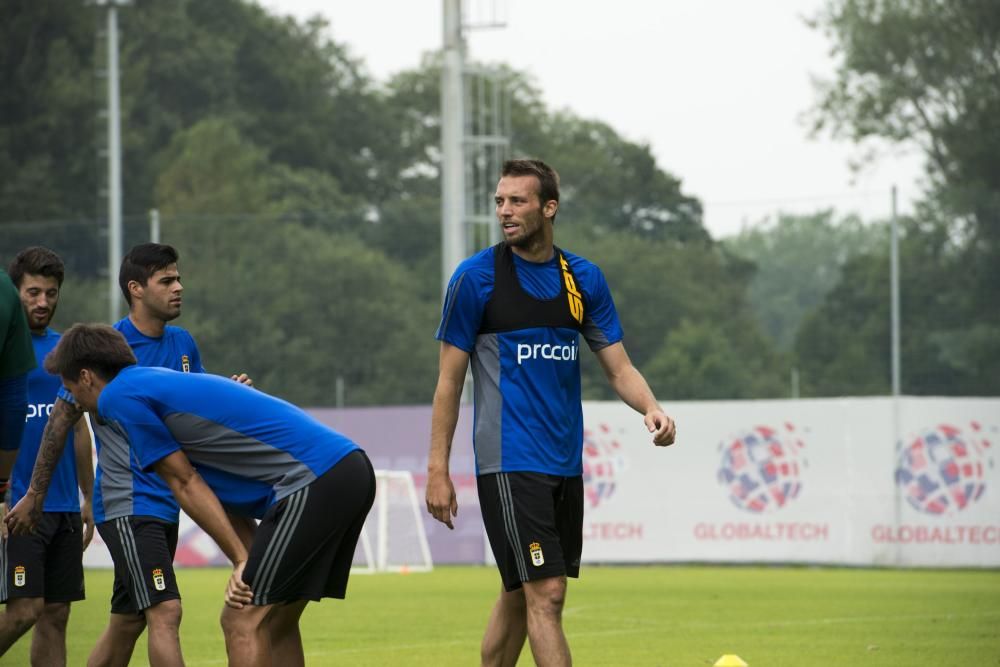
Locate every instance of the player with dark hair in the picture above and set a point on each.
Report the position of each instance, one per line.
(220, 444)
(516, 311)
(43, 572)
(136, 514)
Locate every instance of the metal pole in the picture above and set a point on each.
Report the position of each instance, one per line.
(154, 225)
(114, 170)
(894, 279)
(452, 157)
(894, 269)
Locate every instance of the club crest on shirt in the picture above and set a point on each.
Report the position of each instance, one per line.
(158, 581)
(185, 363)
(537, 558)
(20, 576)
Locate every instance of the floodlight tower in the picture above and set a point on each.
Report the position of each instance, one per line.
(114, 158)
(475, 129)
(452, 171)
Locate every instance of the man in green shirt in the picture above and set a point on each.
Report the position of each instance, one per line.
(17, 357)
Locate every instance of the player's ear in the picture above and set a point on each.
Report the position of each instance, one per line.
(135, 289)
(550, 208)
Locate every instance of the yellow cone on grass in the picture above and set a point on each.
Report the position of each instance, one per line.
(730, 660)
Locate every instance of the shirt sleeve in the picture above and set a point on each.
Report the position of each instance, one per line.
(196, 365)
(65, 395)
(462, 313)
(601, 326)
(148, 437)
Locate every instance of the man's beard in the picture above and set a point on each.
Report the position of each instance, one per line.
(42, 324)
(526, 241)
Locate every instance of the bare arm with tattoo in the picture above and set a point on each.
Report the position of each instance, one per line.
(23, 517)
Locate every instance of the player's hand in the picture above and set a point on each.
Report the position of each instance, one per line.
(3, 521)
(242, 378)
(87, 517)
(24, 516)
(238, 594)
(441, 500)
(662, 427)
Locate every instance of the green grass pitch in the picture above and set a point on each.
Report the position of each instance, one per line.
(646, 615)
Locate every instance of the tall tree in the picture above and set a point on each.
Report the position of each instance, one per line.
(928, 72)
(798, 259)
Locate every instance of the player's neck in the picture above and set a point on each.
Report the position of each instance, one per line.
(538, 252)
(146, 323)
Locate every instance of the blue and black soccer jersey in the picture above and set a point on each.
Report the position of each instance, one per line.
(43, 388)
(121, 486)
(521, 321)
(251, 448)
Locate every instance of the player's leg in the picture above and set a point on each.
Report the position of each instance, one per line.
(506, 630)
(544, 599)
(63, 586)
(302, 551)
(145, 594)
(284, 635)
(115, 645)
(22, 560)
(248, 642)
(526, 516)
(19, 617)
(48, 641)
(163, 621)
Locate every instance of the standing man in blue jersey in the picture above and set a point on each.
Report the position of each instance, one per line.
(220, 444)
(516, 310)
(136, 514)
(43, 572)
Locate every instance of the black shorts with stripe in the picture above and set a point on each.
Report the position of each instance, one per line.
(534, 523)
(47, 563)
(304, 545)
(142, 549)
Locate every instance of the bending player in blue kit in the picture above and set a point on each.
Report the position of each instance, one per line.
(224, 447)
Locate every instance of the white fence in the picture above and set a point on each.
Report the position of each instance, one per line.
(810, 481)
(813, 481)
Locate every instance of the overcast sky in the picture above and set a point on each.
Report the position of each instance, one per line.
(717, 88)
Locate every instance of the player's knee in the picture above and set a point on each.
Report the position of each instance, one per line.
(547, 596)
(164, 615)
(24, 613)
(127, 627)
(513, 601)
(55, 614)
(240, 623)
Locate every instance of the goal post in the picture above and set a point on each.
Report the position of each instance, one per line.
(393, 538)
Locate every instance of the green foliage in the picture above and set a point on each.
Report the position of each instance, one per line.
(47, 88)
(797, 260)
(305, 200)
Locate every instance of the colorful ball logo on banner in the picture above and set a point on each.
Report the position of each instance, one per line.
(761, 467)
(943, 470)
(602, 463)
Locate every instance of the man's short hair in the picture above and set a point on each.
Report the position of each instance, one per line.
(36, 260)
(97, 347)
(141, 262)
(548, 179)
